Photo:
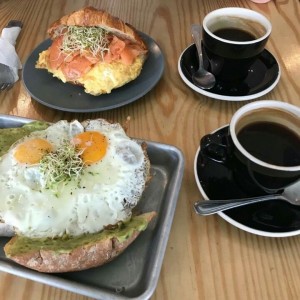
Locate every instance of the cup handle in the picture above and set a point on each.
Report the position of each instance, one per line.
(261, 186)
(217, 147)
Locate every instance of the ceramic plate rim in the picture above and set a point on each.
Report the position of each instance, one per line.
(147, 39)
(223, 97)
(229, 219)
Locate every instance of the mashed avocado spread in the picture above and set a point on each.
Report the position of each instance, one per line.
(8, 136)
(66, 244)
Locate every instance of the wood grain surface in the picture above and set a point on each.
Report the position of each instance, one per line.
(206, 257)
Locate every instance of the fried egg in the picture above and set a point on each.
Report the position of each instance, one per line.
(71, 178)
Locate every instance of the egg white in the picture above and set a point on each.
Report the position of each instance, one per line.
(105, 193)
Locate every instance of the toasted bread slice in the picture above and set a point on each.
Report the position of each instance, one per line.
(76, 253)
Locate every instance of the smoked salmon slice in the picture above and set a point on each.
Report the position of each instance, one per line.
(128, 55)
(56, 56)
(121, 50)
(75, 64)
(76, 68)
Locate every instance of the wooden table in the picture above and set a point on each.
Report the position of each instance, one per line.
(206, 257)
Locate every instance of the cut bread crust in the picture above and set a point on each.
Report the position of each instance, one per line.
(90, 16)
(85, 256)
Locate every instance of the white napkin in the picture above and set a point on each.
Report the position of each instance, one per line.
(8, 55)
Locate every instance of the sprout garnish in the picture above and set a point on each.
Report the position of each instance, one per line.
(62, 165)
(79, 38)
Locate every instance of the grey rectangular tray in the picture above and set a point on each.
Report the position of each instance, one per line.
(134, 274)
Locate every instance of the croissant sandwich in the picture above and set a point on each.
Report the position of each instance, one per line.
(93, 49)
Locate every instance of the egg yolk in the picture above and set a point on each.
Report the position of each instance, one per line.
(93, 144)
(32, 151)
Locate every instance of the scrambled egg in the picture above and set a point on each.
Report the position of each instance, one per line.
(102, 78)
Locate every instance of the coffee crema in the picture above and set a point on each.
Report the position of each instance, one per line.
(271, 142)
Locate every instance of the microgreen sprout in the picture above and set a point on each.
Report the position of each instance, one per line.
(80, 38)
(61, 166)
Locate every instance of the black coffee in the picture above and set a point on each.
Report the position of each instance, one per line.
(235, 34)
(271, 143)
